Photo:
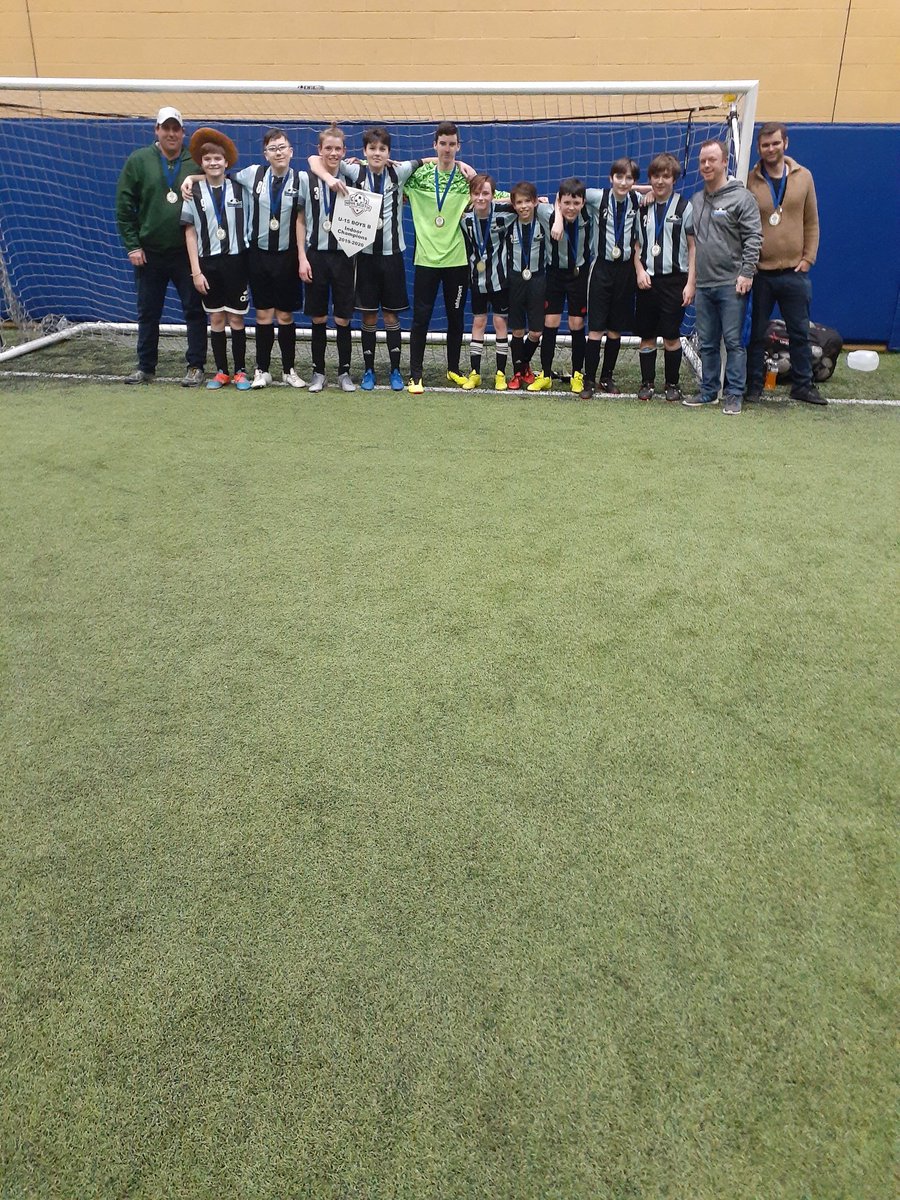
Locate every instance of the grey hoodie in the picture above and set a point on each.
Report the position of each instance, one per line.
(727, 232)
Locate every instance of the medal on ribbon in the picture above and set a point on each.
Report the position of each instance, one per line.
(777, 195)
(441, 196)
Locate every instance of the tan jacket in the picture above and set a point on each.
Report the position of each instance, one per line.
(798, 234)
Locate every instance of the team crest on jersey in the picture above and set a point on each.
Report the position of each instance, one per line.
(359, 203)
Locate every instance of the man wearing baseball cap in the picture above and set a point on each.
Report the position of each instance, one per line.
(148, 214)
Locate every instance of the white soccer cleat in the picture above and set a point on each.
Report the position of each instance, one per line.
(261, 379)
(292, 379)
(345, 383)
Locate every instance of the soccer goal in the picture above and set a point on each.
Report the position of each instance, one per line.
(63, 270)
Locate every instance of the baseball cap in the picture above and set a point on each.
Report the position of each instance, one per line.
(169, 114)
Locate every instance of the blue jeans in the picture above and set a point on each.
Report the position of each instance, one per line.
(719, 313)
(791, 290)
(151, 282)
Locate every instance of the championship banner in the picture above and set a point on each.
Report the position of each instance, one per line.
(355, 219)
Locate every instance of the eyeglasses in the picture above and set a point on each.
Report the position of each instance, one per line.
(279, 149)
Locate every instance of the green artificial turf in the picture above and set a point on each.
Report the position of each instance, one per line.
(445, 797)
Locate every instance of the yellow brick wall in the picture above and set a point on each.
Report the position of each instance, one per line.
(817, 60)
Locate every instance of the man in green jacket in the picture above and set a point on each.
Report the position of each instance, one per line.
(148, 214)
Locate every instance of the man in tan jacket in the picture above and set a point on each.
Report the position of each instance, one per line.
(786, 196)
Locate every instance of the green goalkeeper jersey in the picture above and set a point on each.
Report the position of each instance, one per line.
(438, 245)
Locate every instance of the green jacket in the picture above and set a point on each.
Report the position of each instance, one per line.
(146, 220)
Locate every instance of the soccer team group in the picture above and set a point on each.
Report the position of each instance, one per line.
(615, 259)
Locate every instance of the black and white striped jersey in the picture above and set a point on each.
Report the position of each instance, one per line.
(486, 240)
(529, 245)
(614, 227)
(665, 228)
(270, 200)
(217, 214)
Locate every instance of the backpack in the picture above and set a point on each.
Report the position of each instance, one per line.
(824, 343)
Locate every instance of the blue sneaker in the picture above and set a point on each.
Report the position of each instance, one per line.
(368, 381)
(396, 380)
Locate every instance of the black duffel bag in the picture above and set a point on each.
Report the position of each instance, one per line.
(824, 343)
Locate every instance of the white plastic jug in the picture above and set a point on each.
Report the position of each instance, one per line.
(862, 360)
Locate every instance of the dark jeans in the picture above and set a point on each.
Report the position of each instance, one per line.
(791, 291)
(426, 281)
(151, 282)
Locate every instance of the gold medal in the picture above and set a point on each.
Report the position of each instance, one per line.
(482, 265)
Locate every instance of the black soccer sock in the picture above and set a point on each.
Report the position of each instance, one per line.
(417, 342)
(265, 340)
(672, 360)
(239, 349)
(287, 344)
(502, 351)
(591, 360)
(218, 340)
(647, 359)
(518, 352)
(344, 349)
(319, 342)
(475, 351)
(392, 333)
(368, 347)
(578, 340)
(610, 354)
(548, 349)
(531, 344)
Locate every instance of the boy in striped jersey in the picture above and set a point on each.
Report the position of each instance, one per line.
(214, 232)
(273, 262)
(567, 281)
(380, 269)
(485, 229)
(324, 267)
(271, 217)
(526, 244)
(610, 306)
(664, 262)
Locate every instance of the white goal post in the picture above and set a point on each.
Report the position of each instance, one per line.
(63, 141)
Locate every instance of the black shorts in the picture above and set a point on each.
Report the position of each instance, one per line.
(333, 274)
(611, 296)
(381, 283)
(226, 275)
(659, 311)
(564, 288)
(526, 301)
(275, 280)
(496, 302)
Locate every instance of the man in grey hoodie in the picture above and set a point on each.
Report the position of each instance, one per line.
(728, 236)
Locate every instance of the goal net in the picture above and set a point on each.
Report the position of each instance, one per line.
(63, 143)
